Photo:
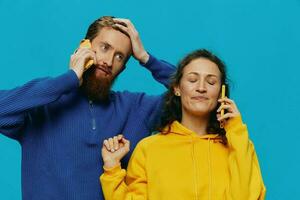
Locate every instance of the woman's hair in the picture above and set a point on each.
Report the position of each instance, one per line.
(172, 103)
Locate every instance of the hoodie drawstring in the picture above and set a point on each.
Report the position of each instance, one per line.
(209, 171)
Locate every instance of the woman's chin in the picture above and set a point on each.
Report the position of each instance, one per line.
(199, 112)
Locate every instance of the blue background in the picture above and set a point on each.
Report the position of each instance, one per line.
(258, 39)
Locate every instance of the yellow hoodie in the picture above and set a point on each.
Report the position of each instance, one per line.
(182, 165)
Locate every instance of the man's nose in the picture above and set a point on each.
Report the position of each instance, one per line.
(106, 59)
(109, 59)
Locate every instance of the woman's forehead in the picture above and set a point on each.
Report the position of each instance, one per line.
(202, 66)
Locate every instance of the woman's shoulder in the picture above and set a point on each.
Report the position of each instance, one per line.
(152, 140)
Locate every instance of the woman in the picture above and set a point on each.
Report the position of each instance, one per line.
(191, 157)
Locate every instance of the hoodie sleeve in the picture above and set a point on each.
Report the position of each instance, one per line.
(245, 177)
(118, 184)
(15, 103)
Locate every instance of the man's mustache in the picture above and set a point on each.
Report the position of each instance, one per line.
(107, 70)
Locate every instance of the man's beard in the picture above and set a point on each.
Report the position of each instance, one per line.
(97, 88)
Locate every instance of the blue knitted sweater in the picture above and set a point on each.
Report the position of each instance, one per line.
(61, 131)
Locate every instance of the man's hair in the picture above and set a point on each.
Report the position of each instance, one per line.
(98, 24)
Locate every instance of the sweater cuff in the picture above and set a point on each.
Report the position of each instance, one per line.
(113, 170)
(149, 62)
(68, 80)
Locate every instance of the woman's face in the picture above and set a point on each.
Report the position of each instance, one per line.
(199, 87)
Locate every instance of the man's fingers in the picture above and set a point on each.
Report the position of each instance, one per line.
(125, 23)
(82, 53)
(122, 21)
(122, 29)
(82, 56)
(82, 50)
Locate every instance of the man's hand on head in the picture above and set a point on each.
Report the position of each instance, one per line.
(139, 53)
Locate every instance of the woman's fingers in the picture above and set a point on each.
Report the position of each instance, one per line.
(230, 107)
(230, 102)
(225, 117)
(126, 144)
(111, 144)
(115, 143)
(226, 100)
(120, 136)
(225, 107)
(106, 144)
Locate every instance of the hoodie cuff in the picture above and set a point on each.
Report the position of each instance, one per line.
(113, 170)
(233, 123)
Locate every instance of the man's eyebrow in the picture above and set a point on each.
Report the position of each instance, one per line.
(106, 43)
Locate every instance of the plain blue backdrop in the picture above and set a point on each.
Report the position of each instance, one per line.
(259, 40)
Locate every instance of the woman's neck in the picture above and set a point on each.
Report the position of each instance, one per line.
(198, 124)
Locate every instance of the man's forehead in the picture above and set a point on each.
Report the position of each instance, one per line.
(116, 39)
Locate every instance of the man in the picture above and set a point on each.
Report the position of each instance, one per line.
(61, 122)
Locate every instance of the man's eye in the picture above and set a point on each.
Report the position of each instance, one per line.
(104, 47)
(119, 57)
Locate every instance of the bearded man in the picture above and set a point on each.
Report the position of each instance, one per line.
(61, 122)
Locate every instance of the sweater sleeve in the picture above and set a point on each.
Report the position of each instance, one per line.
(245, 177)
(160, 69)
(118, 184)
(150, 106)
(15, 103)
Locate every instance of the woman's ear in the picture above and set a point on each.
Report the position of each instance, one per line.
(176, 91)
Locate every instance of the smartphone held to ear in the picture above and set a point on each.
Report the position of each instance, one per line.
(86, 44)
(223, 92)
